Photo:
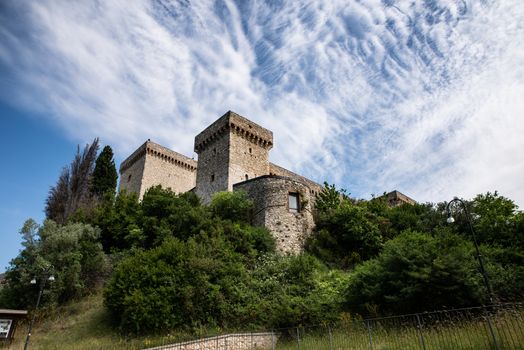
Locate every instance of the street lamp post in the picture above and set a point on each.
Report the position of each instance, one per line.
(450, 220)
(47, 277)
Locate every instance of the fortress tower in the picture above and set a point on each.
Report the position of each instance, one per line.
(231, 150)
(152, 164)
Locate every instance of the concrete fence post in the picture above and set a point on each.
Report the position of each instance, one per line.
(330, 338)
(370, 338)
(419, 326)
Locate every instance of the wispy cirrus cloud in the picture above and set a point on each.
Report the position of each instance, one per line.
(422, 96)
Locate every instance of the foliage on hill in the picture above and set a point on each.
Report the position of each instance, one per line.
(345, 235)
(72, 253)
(179, 264)
(424, 263)
(216, 271)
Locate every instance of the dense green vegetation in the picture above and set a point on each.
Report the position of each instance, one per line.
(168, 262)
(71, 252)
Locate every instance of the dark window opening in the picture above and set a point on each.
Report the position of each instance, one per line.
(250, 150)
(212, 177)
(293, 202)
(247, 177)
(129, 178)
(214, 151)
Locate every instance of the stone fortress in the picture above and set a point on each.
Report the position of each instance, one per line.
(233, 155)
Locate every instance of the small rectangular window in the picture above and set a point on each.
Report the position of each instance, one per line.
(293, 202)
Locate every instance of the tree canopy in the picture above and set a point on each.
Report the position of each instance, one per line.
(105, 175)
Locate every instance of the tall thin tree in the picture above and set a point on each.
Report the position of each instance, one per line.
(73, 189)
(104, 175)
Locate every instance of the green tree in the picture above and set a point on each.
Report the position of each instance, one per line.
(418, 272)
(496, 220)
(329, 198)
(167, 214)
(178, 284)
(71, 252)
(104, 174)
(234, 206)
(418, 217)
(296, 290)
(345, 236)
(119, 221)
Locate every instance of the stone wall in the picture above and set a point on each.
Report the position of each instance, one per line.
(279, 171)
(168, 168)
(132, 171)
(396, 198)
(270, 194)
(241, 341)
(247, 159)
(212, 175)
(230, 150)
(153, 165)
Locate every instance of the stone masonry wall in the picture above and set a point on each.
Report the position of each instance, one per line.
(242, 341)
(279, 171)
(167, 168)
(270, 194)
(247, 159)
(230, 150)
(212, 174)
(132, 170)
(151, 165)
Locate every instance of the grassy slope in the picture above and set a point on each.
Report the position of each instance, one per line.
(79, 325)
(85, 325)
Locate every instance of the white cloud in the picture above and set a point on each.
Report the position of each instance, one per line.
(424, 97)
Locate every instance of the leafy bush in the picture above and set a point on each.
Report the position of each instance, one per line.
(205, 282)
(234, 206)
(178, 284)
(418, 272)
(296, 290)
(72, 253)
(345, 236)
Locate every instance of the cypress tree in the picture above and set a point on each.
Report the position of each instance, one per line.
(73, 189)
(104, 175)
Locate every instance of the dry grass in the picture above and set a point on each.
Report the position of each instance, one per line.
(85, 325)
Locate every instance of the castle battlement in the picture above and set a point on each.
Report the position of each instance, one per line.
(237, 124)
(161, 152)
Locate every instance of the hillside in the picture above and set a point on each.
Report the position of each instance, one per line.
(80, 325)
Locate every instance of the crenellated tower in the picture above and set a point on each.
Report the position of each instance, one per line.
(152, 164)
(231, 150)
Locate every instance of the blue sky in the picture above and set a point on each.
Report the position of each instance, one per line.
(421, 96)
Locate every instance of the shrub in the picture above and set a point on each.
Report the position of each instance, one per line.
(417, 272)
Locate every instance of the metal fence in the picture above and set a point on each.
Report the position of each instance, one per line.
(500, 327)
